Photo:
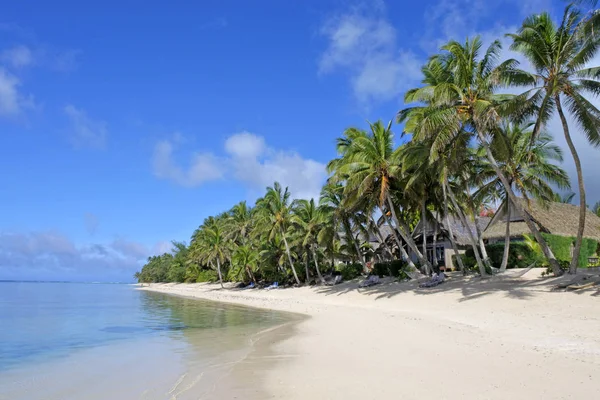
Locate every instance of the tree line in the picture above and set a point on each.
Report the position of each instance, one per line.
(469, 144)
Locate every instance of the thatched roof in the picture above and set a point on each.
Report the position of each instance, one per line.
(461, 234)
(555, 218)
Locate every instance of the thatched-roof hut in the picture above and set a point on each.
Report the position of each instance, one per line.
(554, 218)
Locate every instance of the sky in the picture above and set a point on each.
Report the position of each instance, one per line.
(125, 124)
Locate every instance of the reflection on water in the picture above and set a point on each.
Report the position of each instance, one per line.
(74, 341)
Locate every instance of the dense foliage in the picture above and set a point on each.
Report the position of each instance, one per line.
(471, 145)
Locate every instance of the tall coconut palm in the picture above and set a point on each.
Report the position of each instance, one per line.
(341, 221)
(214, 248)
(308, 219)
(465, 100)
(560, 55)
(528, 164)
(246, 257)
(239, 223)
(370, 166)
(274, 213)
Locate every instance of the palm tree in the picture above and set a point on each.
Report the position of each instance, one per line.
(246, 257)
(340, 220)
(463, 100)
(565, 198)
(239, 223)
(527, 163)
(370, 166)
(596, 208)
(214, 247)
(308, 219)
(560, 55)
(274, 213)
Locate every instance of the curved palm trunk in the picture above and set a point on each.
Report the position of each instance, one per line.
(314, 254)
(424, 227)
(307, 281)
(289, 254)
(450, 234)
(403, 229)
(506, 239)
(463, 220)
(380, 238)
(219, 271)
(361, 258)
(250, 274)
(403, 252)
(484, 253)
(582, 204)
(513, 198)
(434, 252)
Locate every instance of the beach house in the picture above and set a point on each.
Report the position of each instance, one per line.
(439, 228)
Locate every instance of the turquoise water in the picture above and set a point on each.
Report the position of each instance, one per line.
(68, 332)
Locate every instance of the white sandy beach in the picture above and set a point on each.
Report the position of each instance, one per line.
(466, 339)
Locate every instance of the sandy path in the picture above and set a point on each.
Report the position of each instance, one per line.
(466, 339)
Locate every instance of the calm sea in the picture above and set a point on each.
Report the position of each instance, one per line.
(100, 341)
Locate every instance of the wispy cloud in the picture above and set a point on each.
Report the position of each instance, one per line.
(52, 255)
(91, 223)
(12, 100)
(86, 132)
(203, 167)
(17, 56)
(362, 43)
(215, 23)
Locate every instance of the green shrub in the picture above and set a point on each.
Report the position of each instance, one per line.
(468, 261)
(561, 247)
(349, 271)
(520, 255)
(207, 275)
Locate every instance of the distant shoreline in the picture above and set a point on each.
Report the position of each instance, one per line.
(505, 339)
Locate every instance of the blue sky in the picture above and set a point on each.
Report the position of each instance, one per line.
(125, 123)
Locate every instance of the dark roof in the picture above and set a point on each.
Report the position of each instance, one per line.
(555, 218)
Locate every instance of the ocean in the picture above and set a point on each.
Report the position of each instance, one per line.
(111, 341)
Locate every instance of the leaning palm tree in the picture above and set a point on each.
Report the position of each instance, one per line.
(464, 99)
(528, 164)
(274, 213)
(560, 55)
(370, 166)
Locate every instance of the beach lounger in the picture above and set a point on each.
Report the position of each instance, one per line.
(274, 285)
(435, 280)
(250, 286)
(336, 279)
(370, 281)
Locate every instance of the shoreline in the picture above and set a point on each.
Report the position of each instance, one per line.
(468, 338)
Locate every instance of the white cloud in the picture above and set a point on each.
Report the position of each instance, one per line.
(260, 166)
(245, 145)
(203, 167)
(363, 44)
(12, 102)
(18, 56)
(249, 160)
(51, 255)
(86, 132)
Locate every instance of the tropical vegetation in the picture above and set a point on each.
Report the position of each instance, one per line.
(475, 136)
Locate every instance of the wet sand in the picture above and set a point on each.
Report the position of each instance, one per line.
(467, 339)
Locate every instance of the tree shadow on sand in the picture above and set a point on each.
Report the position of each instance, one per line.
(470, 287)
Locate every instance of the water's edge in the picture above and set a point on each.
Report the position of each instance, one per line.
(247, 377)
